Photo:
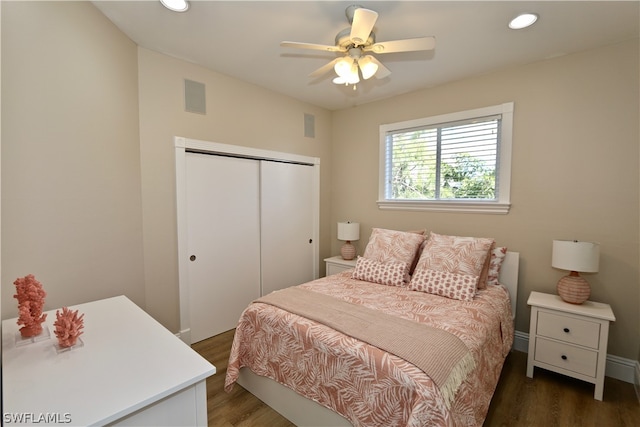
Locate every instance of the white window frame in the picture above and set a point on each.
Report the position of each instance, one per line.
(503, 174)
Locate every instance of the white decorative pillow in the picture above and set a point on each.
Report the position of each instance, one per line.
(455, 254)
(497, 256)
(386, 246)
(445, 284)
(391, 273)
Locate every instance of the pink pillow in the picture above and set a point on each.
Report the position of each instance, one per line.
(455, 254)
(497, 256)
(420, 248)
(391, 273)
(387, 246)
(445, 284)
(484, 275)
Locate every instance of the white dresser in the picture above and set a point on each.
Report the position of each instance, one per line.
(130, 371)
(569, 339)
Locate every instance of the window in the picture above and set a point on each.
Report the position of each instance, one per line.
(458, 162)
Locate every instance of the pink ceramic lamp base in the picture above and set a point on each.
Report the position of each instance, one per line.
(573, 288)
(348, 251)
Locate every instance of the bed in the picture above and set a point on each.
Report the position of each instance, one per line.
(358, 347)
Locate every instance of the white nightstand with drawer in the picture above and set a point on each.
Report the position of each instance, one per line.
(336, 264)
(569, 339)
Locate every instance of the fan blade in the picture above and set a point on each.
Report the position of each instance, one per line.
(324, 69)
(407, 45)
(313, 46)
(382, 70)
(363, 22)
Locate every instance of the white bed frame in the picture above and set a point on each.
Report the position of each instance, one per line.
(304, 412)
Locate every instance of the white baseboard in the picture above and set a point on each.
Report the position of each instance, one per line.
(521, 342)
(637, 380)
(185, 336)
(622, 369)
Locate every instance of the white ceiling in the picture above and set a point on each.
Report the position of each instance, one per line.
(242, 39)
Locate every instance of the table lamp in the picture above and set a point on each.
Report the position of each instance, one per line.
(576, 257)
(348, 231)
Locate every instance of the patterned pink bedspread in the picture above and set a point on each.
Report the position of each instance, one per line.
(362, 383)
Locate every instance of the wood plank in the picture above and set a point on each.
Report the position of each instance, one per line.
(238, 408)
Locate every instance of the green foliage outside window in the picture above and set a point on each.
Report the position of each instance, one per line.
(416, 175)
(467, 178)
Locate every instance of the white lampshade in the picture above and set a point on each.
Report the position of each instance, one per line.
(348, 231)
(367, 67)
(343, 67)
(347, 71)
(354, 77)
(577, 256)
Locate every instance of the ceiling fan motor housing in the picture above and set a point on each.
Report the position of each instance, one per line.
(343, 39)
(350, 10)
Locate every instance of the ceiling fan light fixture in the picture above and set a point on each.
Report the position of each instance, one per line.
(353, 42)
(353, 75)
(340, 81)
(349, 74)
(176, 5)
(368, 68)
(523, 20)
(343, 67)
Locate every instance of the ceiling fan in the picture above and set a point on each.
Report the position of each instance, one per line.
(356, 43)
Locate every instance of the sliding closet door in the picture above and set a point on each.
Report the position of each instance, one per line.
(223, 216)
(287, 212)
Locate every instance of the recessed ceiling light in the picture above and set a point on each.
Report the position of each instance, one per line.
(176, 5)
(523, 20)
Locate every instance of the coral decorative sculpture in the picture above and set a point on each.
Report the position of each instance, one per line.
(30, 296)
(67, 327)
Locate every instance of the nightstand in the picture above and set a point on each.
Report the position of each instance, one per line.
(569, 339)
(336, 264)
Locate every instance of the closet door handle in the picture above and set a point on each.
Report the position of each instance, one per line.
(192, 258)
(310, 240)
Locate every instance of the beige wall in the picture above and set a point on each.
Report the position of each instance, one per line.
(237, 113)
(71, 204)
(575, 171)
(88, 193)
(87, 155)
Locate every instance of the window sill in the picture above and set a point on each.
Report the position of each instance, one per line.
(460, 206)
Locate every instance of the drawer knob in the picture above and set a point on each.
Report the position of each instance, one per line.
(564, 357)
(567, 330)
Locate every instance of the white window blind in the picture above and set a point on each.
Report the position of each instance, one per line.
(453, 161)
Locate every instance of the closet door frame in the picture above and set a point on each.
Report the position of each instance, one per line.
(184, 145)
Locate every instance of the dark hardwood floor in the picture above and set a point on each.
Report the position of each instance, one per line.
(238, 408)
(548, 399)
